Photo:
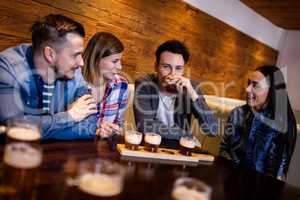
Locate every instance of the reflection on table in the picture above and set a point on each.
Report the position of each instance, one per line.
(144, 179)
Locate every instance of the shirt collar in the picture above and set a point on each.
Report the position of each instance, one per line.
(29, 57)
(33, 72)
(114, 81)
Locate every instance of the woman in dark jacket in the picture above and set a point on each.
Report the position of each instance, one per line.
(261, 135)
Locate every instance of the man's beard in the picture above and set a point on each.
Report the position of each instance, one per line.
(62, 75)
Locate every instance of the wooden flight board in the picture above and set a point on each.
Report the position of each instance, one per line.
(164, 154)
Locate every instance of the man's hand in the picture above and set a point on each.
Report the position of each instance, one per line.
(182, 84)
(82, 108)
(107, 129)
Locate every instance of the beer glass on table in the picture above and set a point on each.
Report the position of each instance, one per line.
(187, 145)
(187, 188)
(152, 141)
(23, 129)
(133, 139)
(100, 178)
(21, 162)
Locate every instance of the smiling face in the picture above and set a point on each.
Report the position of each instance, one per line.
(109, 65)
(69, 57)
(257, 90)
(169, 64)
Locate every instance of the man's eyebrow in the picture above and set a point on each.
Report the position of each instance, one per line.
(251, 81)
(166, 64)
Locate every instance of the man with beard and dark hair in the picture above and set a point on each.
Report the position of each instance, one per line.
(165, 102)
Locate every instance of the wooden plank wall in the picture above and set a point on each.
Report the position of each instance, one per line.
(220, 55)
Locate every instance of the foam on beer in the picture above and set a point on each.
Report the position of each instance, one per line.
(24, 134)
(100, 184)
(187, 142)
(133, 138)
(22, 155)
(152, 138)
(185, 193)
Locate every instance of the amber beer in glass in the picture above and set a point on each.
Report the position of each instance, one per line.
(21, 161)
(23, 129)
(99, 179)
(152, 141)
(187, 188)
(133, 139)
(187, 145)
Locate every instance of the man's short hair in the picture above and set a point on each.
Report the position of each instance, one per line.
(173, 46)
(52, 29)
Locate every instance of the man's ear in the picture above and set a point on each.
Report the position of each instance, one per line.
(49, 54)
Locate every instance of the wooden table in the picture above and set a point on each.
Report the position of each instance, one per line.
(148, 180)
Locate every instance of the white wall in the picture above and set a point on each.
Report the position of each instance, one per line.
(241, 17)
(293, 177)
(289, 61)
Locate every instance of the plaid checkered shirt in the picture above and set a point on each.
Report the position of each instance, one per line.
(112, 107)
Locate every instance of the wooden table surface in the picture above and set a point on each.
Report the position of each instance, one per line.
(144, 180)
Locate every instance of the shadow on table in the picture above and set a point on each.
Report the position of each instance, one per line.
(245, 184)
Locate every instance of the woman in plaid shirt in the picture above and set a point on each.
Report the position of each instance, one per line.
(102, 58)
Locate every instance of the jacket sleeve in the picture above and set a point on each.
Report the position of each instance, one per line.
(205, 116)
(145, 114)
(84, 129)
(226, 147)
(289, 144)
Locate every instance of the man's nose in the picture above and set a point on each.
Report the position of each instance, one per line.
(172, 71)
(80, 61)
(249, 88)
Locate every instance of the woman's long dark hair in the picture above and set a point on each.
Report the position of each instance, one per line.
(278, 101)
(279, 106)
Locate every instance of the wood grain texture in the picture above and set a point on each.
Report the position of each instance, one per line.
(164, 154)
(220, 55)
(285, 14)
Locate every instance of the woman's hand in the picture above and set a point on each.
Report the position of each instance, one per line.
(107, 129)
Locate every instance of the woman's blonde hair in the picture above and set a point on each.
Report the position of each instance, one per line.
(101, 45)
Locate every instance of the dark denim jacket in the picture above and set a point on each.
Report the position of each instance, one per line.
(20, 94)
(251, 142)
